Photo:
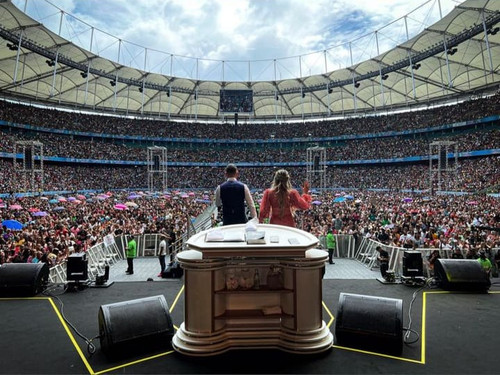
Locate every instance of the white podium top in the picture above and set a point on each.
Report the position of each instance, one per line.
(279, 241)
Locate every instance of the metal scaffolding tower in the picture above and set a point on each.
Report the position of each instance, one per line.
(157, 168)
(439, 162)
(316, 167)
(28, 165)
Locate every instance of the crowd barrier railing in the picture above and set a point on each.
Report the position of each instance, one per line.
(98, 257)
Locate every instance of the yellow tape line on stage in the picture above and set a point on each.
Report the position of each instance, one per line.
(71, 337)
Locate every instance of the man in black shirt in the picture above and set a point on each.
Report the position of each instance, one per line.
(383, 258)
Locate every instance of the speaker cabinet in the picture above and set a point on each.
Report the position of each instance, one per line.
(461, 274)
(132, 324)
(370, 323)
(23, 279)
(413, 265)
(77, 267)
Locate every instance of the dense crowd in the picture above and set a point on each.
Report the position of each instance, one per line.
(468, 222)
(387, 200)
(53, 230)
(376, 148)
(56, 119)
(472, 175)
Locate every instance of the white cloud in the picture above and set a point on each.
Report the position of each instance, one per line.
(244, 29)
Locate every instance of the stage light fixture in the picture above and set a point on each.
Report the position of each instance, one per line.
(83, 74)
(356, 84)
(140, 89)
(385, 76)
(452, 51)
(330, 90)
(50, 62)
(12, 47)
(492, 31)
(112, 83)
(416, 66)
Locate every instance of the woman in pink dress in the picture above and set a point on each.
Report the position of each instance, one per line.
(281, 200)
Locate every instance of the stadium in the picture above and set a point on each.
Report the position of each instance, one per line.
(397, 131)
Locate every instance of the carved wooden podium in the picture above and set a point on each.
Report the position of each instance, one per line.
(249, 296)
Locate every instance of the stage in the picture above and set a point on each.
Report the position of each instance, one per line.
(457, 334)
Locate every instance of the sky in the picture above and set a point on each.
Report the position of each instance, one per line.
(237, 39)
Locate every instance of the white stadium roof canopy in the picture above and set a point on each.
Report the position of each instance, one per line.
(456, 56)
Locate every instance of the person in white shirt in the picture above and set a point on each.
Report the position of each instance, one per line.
(162, 254)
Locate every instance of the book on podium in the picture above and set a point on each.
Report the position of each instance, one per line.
(256, 237)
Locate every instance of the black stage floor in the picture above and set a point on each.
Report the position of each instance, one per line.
(458, 335)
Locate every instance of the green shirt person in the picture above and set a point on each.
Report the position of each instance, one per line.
(131, 253)
(330, 245)
(484, 262)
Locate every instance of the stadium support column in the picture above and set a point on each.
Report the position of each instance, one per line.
(28, 165)
(316, 167)
(157, 168)
(443, 170)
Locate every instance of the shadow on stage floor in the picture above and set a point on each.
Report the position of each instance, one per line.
(457, 334)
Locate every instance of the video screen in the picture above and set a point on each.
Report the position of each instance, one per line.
(236, 101)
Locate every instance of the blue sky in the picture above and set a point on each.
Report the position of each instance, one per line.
(199, 32)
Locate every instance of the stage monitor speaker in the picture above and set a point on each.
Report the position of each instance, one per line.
(461, 274)
(236, 119)
(77, 267)
(23, 279)
(413, 265)
(370, 323)
(136, 323)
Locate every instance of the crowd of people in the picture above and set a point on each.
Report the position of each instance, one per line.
(360, 124)
(469, 223)
(358, 149)
(472, 175)
(53, 227)
(388, 202)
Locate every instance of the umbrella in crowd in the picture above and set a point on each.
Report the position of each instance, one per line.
(53, 201)
(349, 197)
(40, 213)
(58, 208)
(316, 203)
(203, 201)
(339, 199)
(120, 206)
(133, 196)
(33, 209)
(471, 203)
(81, 197)
(12, 224)
(407, 200)
(61, 199)
(3, 205)
(15, 207)
(71, 199)
(131, 204)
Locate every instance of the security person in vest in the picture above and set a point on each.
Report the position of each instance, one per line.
(232, 195)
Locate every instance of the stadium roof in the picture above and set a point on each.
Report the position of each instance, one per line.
(452, 57)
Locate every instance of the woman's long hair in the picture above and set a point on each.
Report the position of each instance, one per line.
(281, 186)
